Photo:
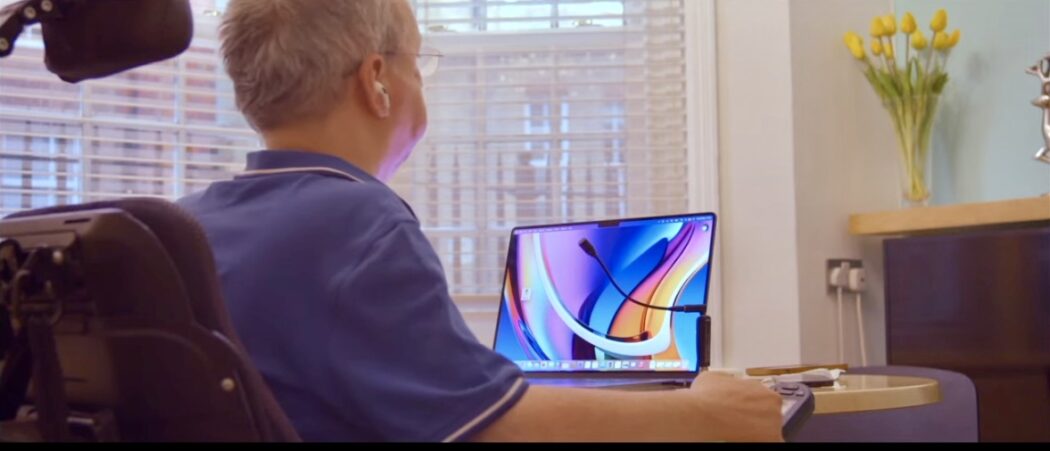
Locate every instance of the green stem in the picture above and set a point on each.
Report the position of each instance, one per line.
(905, 135)
(907, 48)
(891, 62)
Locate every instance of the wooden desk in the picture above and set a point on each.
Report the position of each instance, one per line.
(864, 392)
(860, 393)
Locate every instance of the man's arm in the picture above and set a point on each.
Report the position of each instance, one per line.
(717, 408)
(404, 363)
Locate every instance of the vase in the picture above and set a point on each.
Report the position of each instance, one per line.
(913, 119)
(915, 173)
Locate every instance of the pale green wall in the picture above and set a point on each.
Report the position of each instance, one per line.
(988, 131)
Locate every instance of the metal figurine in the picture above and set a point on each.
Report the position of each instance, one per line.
(1042, 70)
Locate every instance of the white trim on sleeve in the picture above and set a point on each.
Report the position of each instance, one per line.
(487, 413)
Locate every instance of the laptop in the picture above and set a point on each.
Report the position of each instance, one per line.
(587, 304)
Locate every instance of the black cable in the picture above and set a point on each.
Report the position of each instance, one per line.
(587, 247)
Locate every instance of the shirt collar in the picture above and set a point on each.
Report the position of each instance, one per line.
(290, 159)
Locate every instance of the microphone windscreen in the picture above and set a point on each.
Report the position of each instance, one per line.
(587, 247)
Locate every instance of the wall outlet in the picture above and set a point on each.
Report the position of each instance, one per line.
(846, 265)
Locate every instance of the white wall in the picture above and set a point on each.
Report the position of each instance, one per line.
(845, 162)
(988, 131)
(758, 215)
(805, 143)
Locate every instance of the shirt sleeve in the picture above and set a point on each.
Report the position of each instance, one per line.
(402, 354)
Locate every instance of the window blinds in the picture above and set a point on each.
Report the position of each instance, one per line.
(543, 111)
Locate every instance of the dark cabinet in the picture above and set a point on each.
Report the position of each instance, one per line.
(978, 303)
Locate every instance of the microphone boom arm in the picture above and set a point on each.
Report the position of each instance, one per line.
(588, 248)
(703, 322)
(23, 14)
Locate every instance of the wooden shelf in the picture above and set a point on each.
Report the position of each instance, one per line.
(951, 217)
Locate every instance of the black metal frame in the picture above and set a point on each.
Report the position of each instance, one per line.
(27, 13)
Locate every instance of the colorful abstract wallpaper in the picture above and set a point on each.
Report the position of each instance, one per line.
(560, 312)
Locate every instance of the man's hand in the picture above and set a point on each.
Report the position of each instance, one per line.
(717, 408)
(737, 409)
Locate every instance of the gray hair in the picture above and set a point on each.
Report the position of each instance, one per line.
(288, 59)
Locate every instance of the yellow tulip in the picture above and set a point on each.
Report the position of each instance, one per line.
(876, 47)
(856, 47)
(908, 24)
(940, 21)
(888, 50)
(849, 37)
(855, 44)
(954, 39)
(889, 25)
(918, 41)
(941, 41)
(877, 30)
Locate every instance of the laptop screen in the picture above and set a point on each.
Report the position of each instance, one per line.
(561, 312)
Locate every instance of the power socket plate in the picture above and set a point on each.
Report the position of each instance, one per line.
(835, 263)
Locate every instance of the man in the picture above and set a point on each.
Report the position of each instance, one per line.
(334, 289)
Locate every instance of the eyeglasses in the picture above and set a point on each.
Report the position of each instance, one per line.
(427, 60)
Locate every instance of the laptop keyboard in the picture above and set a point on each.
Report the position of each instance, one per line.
(618, 384)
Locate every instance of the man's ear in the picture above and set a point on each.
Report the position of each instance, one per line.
(370, 80)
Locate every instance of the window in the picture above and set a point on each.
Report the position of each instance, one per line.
(544, 111)
(164, 130)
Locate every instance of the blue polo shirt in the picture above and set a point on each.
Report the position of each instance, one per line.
(342, 305)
